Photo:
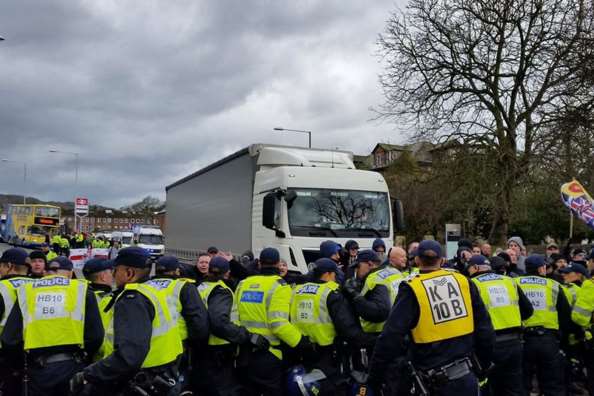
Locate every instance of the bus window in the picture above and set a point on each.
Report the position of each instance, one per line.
(36, 230)
(47, 212)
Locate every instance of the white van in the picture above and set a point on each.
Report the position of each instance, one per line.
(125, 238)
(149, 238)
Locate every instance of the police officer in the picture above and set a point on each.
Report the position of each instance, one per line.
(38, 263)
(216, 373)
(64, 246)
(147, 341)
(552, 314)
(320, 312)
(582, 315)
(99, 273)
(189, 306)
(54, 321)
(14, 266)
(262, 307)
(573, 276)
(373, 301)
(447, 321)
(507, 306)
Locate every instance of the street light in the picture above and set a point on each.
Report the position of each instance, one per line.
(75, 162)
(24, 175)
(295, 130)
(75, 179)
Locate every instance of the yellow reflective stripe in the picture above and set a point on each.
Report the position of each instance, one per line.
(8, 299)
(270, 294)
(78, 314)
(581, 311)
(277, 315)
(276, 325)
(164, 324)
(22, 297)
(324, 317)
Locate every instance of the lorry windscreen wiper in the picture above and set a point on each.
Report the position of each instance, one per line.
(373, 230)
(314, 229)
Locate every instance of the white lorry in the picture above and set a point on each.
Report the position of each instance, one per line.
(149, 238)
(286, 197)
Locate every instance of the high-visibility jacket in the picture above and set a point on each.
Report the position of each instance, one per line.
(445, 306)
(571, 291)
(309, 312)
(8, 292)
(53, 310)
(173, 287)
(542, 293)
(389, 277)
(166, 342)
(50, 255)
(103, 299)
(261, 305)
(500, 296)
(56, 239)
(64, 243)
(205, 288)
(584, 305)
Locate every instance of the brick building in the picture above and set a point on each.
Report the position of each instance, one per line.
(112, 222)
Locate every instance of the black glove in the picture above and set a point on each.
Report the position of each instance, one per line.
(307, 349)
(351, 288)
(79, 386)
(259, 342)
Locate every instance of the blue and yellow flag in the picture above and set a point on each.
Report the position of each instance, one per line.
(576, 198)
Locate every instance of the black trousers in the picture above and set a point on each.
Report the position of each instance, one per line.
(467, 386)
(542, 356)
(52, 379)
(261, 373)
(214, 372)
(506, 378)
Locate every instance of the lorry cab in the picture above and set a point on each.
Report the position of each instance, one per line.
(149, 238)
(297, 208)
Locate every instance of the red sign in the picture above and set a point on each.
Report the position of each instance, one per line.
(82, 201)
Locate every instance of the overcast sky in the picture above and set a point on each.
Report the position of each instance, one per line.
(149, 91)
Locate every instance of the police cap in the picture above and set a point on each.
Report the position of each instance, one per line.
(16, 256)
(324, 265)
(218, 264)
(575, 267)
(534, 261)
(60, 263)
(367, 255)
(95, 265)
(167, 263)
(429, 249)
(133, 256)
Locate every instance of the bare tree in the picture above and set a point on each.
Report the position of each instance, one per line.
(488, 73)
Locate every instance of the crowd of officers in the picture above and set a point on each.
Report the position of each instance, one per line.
(361, 322)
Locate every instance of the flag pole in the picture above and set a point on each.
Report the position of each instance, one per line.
(570, 224)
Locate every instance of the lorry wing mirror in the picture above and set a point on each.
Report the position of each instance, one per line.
(398, 215)
(269, 211)
(290, 197)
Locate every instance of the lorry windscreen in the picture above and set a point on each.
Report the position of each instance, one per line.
(150, 239)
(339, 213)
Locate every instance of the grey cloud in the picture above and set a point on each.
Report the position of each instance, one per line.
(148, 92)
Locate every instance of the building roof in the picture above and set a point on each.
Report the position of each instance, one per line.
(390, 147)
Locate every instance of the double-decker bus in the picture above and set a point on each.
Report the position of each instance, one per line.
(29, 225)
